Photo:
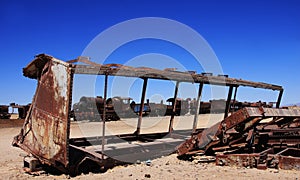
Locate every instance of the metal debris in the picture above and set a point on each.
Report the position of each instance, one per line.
(243, 139)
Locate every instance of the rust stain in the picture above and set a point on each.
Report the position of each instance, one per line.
(45, 133)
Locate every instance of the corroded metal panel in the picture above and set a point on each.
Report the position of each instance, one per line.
(289, 163)
(238, 160)
(289, 159)
(46, 129)
(127, 71)
(241, 116)
(209, 136)
(272, 112)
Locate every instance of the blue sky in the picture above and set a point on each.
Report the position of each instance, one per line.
(253, 40)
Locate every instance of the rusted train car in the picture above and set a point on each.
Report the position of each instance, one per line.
(218, 106)
(160, 109)
(22, 109)
(4, 114)
(181, 107)
(46, 130)
(90, 108)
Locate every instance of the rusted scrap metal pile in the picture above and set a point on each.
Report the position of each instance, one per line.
(251, 137)
(46, 130)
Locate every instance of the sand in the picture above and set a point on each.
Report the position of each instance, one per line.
(168, 167)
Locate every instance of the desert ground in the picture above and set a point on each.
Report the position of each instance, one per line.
(166, 167)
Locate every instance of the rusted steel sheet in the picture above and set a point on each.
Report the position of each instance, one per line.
(169, 75)
(210, 136)
(45, 132)
(279, 137)
(241, 116)
(238, 160)
(289, 163)
(244, 134)
(142, 72)
(249, 160)
(275, 112)
(198, 139)
(232, 130)
(289, 159)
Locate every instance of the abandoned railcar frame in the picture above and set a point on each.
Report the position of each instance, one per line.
(46, 130)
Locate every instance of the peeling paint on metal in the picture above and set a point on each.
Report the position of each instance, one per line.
(45, 133)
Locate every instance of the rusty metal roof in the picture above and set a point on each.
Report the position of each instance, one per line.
(35, 67)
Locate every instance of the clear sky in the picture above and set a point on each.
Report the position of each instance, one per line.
(254, 40)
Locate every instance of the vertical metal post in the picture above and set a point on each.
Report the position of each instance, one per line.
(279, 98)
(228, 102)
(71, 85)
(104, 115)
(173, 108)
(138, 130)
(197, 110)
(234, 97)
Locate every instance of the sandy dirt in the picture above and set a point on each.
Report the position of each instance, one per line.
(168, 167)
(148, 125)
